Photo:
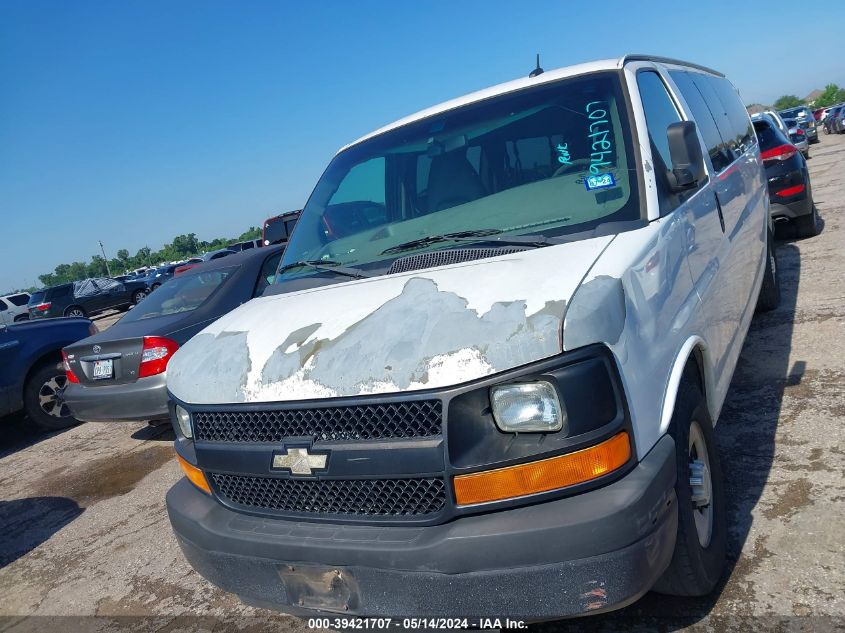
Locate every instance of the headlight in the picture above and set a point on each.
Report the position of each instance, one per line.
(183, 419)
(528, 408)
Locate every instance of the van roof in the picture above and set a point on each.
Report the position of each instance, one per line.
(526, 82)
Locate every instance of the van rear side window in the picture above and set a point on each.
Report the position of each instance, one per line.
(740, 122)
(720, 155)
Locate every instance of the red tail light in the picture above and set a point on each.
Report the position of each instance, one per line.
(71, 377)
(156, 353)
(781, 152)
(800, 132)
(41, 307)
(790, 191)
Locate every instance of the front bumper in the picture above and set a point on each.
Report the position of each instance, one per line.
(591, 552)
(144, 399)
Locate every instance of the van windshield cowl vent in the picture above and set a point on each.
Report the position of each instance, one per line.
(446, 257)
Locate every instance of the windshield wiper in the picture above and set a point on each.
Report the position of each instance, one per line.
(434, 239)
(326, 265)
(472, 236)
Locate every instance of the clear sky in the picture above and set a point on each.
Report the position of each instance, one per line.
(137, 120)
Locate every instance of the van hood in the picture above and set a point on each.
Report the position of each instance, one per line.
(418, 330)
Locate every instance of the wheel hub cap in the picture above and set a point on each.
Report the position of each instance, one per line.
(51, 397)
(699, 483)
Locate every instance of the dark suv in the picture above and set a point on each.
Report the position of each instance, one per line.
(85, 298)
(790, 193)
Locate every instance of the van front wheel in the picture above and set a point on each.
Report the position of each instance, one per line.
(701, 544)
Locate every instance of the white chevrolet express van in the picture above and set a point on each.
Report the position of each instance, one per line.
(486, 378)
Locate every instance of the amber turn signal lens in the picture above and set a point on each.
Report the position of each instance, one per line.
(194, 474)
(545, 474)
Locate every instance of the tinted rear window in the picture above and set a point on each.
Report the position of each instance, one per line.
(276, 231)
(768, 135)
(59, 291)
(18, 300)
(36, 298)
(180, 294)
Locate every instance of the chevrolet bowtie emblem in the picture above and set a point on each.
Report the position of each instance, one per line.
(299, 461)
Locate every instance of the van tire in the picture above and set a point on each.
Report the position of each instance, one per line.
(808, 225)
(769, 297)
(695, 569)
(43, 380)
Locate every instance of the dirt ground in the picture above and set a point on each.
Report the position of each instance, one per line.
(84, 531)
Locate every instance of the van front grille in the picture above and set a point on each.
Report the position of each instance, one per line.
(406, 419)
(360, 497)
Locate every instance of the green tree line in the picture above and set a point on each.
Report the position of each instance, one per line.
(182, 247)
(830, 95)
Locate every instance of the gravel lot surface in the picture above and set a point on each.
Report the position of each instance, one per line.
(84, 531)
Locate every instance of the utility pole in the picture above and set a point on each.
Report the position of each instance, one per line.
(108, 270)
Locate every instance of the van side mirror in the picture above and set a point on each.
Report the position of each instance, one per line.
(685, 152)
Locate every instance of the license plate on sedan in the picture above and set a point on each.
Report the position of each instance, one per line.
(103, 369)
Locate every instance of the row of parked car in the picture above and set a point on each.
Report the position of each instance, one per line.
(32, 369)
(834, 122)
(117, 374)
(492, 353)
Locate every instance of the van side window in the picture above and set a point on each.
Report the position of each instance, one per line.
(720, 115)
(357, 185)
(660, 112)
(735, 111)
(718, 150)
(359, 201)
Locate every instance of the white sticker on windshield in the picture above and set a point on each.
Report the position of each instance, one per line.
(601, 181)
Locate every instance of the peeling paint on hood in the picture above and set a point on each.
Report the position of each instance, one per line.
(419, 330)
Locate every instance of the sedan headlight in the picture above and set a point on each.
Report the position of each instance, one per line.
(528, 408)
(183, 419)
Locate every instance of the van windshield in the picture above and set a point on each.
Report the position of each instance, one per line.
(552, 160)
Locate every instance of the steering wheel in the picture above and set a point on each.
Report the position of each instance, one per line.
(575, 165)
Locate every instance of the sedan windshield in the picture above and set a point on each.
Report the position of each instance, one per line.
(181, 294)
(552, 160)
